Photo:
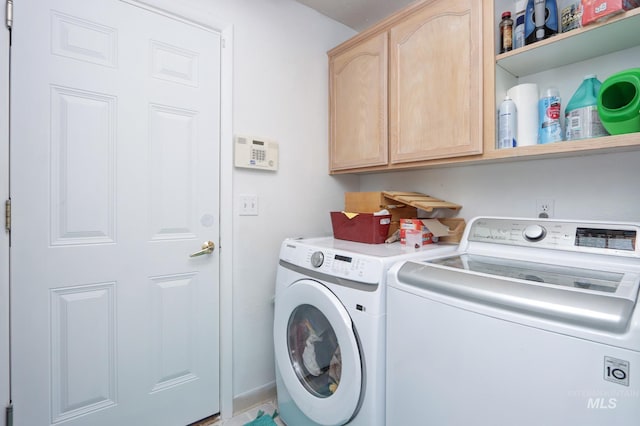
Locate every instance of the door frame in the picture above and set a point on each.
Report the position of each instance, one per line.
(225, 168)
(5, 366)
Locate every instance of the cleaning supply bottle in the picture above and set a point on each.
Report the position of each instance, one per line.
(581, 117)
(518, 29)
(541, 20)
(549, 108)
(507, 124)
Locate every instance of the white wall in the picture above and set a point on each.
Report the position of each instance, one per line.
(280, 92)
(602, 187)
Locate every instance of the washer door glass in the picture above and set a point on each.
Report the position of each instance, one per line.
(317, 353)
(314, 351)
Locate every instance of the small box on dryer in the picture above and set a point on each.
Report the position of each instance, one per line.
(419, 232)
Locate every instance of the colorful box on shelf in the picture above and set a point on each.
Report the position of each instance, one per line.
(598, 10)
(360, 227)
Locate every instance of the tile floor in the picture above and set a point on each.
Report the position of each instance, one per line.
(245, 417)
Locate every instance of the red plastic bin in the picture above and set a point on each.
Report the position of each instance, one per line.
(363, 228)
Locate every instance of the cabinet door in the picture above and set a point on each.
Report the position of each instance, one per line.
(436, 82)
(358, 105)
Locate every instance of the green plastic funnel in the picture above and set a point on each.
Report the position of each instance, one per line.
(619, 102)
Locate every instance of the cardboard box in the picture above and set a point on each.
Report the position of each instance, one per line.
(597, 10)
(419, 232)
(371, 202)
(360, 227)
(456, 229)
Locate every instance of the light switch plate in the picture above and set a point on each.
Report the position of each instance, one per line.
(248, 205)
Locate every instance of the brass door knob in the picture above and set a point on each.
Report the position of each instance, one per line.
(207, 248)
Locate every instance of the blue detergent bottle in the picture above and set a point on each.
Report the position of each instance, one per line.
(541, 20)
(581, 117)
(549, 129)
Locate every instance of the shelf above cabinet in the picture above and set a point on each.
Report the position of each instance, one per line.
(618, 33)
(615, 143)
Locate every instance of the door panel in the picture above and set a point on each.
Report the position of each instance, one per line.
(82, 167)
(115, 141)
(83, 350)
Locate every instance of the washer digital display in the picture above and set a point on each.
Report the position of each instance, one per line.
(614, 239)
(343, 258)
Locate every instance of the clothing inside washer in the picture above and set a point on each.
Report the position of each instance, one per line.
(314, 351)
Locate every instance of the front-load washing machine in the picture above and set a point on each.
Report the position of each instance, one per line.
(329, 329)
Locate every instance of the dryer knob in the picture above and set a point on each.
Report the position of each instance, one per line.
(534, 232)
(317, 259)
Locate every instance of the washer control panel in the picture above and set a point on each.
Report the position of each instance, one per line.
(594, 237)
(343, 265)
(332, 262)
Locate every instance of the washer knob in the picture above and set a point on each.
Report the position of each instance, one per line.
(317, 259)
(534, 233)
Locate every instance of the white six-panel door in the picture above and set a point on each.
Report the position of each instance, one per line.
(114, 180)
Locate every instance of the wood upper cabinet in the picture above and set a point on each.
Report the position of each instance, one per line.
(358, 105)
(436, 69)
(408, 91)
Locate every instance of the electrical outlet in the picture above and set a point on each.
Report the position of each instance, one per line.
(248, 205)
(544, 208)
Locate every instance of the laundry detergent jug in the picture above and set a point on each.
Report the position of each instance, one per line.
(581, 117)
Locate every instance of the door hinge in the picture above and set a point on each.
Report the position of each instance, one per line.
(9, 415)
(7, 215)
(9, 14)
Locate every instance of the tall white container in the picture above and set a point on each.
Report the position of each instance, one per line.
(526, 97)
(507, 124)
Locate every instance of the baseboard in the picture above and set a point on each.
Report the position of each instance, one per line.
(254, 397)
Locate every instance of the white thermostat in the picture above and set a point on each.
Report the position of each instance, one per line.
(256, 153)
